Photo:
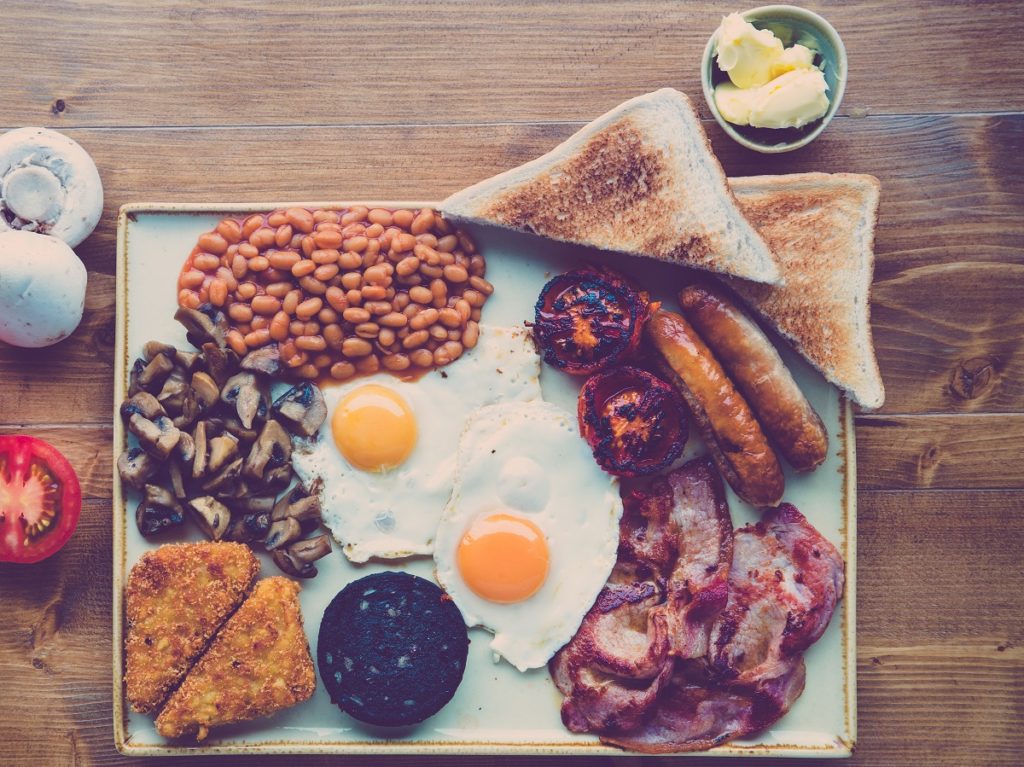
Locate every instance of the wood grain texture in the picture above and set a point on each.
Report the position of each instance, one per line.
(940, 451)
(949, 252)
(309, 63)
(929, 660)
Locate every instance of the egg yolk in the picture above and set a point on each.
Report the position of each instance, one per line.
(374, 428)
(503, 558)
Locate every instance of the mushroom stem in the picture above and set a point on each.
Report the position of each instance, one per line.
(33, 193)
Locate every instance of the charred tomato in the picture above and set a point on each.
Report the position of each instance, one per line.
(633, 421)
(589, 319)
(40, 499)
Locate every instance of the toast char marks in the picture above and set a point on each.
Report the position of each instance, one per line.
(821, 226)
(616, 183)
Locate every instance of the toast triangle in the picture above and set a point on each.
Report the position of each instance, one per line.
(821, 226)
(641, 179)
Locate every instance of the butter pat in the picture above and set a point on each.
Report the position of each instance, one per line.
(790, 101)
(769, 86)
(746, 53)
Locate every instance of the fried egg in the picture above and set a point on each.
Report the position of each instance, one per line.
(385, 456)
(530, 533)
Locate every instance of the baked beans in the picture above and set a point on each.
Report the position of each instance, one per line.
(342, 292)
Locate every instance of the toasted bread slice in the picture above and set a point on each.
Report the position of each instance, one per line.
(176, 599)
(259, 663)
(821, 227)
(640, 179)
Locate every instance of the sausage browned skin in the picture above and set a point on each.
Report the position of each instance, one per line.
(759, 373)
(733, 437)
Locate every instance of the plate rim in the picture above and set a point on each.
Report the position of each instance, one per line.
(841, 748)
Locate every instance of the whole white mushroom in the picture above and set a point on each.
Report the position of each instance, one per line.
(42, 289)
(48, 184)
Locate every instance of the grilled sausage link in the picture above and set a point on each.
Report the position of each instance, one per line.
(758, 371)
(733, 436)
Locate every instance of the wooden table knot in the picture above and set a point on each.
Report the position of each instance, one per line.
(972, 378)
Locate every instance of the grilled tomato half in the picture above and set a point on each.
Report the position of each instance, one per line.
(633, 421)
(40, 499)
(589, 319)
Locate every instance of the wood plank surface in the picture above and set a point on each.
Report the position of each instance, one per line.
(929, 661)
(240, 100)
(304, 62)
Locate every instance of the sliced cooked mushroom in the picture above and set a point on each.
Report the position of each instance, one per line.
(272, 450)
(302, 409)
(134, 387)
(136, 466)
(144, 404)
(190, 409)
(254, 504)
(157, 437)
(153, 348)
(200, 446)
(233, 426)
(206, 390)
(282, 532)
(297, 504)
(234, 491)
(158, 511)
(221, 364)
(248, 528)
(266, 359)
(212, 516)
(154, 374)
(186, 360)
(174, 470)
(186, 448)
(172, 395)
(242, 391)
(277, 479)
(297, 560)
(226, 475)
(223, 450)
(207, 324)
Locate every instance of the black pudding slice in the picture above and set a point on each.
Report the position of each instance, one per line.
(392, 649)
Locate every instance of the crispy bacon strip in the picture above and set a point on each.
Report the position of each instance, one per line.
(785, 582)
(698, 588)
(694, 715)
(667, 586)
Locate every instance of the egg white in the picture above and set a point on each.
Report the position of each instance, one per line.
(395, 513)
(527, 458)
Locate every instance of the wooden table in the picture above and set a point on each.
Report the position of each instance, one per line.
(208, 101)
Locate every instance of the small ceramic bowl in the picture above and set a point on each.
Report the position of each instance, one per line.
(792, 25)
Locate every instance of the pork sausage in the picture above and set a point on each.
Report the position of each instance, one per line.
(733, 436)
(754, 365)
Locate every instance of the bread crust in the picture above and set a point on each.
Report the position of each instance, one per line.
(821, 227)
(641, 179)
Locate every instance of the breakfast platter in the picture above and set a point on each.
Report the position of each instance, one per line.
(497, 708)
(562, 463)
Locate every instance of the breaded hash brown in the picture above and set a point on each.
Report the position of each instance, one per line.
(257, 664)
(176, 598)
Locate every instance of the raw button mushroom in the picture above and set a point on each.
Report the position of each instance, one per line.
(42, 289)
(48, 184)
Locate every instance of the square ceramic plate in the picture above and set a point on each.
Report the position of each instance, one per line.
(496, 710)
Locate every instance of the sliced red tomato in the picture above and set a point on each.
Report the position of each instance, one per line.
(589, 319)
(633, 421)
(40, 499)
